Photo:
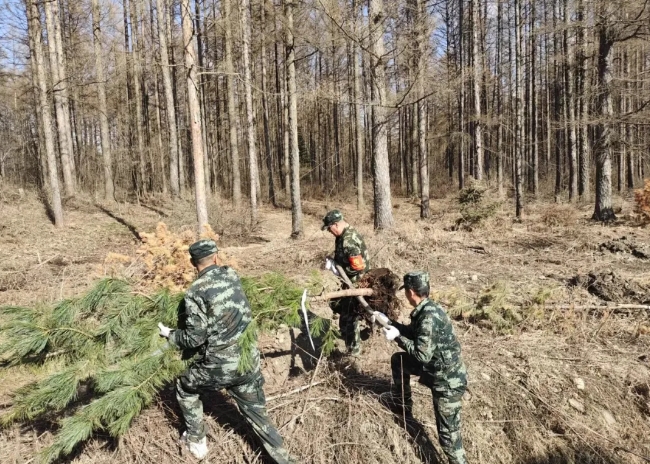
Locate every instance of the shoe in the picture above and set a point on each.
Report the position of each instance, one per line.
(198, 449)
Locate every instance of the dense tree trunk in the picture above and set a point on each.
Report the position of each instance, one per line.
(233, 118)
(38, 67)
(296, 206)
(137, 94)
(603, 210)
(265, 108)
(194, 109)
(170, 109)
(109, 190)
(250, 114)
(63, 124)
(476, 78)
(383, 206)
(519, 129)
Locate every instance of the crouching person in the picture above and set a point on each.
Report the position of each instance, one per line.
(432, 352)
(217, 313)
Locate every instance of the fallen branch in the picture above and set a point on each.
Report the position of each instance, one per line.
(344, 293)
(605, 307)
(294, 391)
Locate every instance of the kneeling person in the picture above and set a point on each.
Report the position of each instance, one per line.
(217, 313)
(432, 352)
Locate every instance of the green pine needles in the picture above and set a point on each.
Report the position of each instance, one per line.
(100, 360)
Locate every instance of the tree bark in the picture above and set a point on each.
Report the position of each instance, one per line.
(250, 114)
(170, 109)
(382, 204)
(35, 31)
(358, 117)
(519, 111)
(109, 190)
(195, 116)
(296, 207)
(477, 71)
(63, 124)
(265, 109)
(233, 118)
(603, 210)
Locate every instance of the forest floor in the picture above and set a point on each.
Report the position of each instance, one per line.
(555, 375)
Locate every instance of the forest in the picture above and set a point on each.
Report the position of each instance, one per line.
(499, 145)
(271, 102)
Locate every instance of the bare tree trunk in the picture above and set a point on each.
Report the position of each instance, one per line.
(476, 66)
(583, 182)
(63, 85)
(250, 115)
(232, 108)
(265, 109)
(461, 97)
(195, 115)
(570, 103)
(519, 192)
(170, 109)
(35, 32)
(63, 124)
(137, 86)
(358, 96)
(533, 103)
(383, 206)
(603, 210)
(499, 115)
(109, 190)
(423, 32)
(296, 206)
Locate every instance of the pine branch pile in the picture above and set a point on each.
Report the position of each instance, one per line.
(100, 358)
(102, 361)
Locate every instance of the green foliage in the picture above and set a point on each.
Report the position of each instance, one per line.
(105, 343)
(474, 208)
(275, 301)
(491, 310)
(103, 360)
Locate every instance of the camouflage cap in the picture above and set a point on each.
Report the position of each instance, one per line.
(202, 248)
(331, 217)
(417, 279)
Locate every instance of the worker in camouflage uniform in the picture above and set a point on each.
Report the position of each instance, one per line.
(432, 352)
(216, 313)
(351, 254)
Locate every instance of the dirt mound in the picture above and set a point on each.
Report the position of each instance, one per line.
(609, 286)
(384, 284)
(626, 245)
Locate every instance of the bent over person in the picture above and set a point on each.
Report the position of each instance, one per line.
(217, 313)
(431, 351)
(351, 254)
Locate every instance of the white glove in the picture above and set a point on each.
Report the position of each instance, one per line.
(390, 332)
(164, 330)
(379, 318)
(331, 266)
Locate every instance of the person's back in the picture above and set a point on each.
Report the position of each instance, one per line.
(351, 253)
(219, 297)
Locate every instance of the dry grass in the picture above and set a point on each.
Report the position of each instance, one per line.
(521, 408)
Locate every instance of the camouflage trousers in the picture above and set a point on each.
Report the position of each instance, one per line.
(248, 394)
(348, 323)
(446, 404)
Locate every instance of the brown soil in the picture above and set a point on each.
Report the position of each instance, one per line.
(608, 286)
(561, 386)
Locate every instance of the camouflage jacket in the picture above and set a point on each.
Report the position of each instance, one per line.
(351, 254)
(430, 339)
(216, 313)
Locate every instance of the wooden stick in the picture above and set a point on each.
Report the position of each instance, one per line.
(607, 307)
(344, 293)
(294, 391)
